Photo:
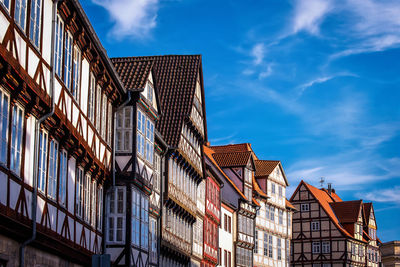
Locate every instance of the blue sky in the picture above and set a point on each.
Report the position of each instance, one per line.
(313, 83)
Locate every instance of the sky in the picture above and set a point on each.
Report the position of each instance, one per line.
(312, 83)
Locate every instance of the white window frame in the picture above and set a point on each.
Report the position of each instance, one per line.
(124, 130)
(20, 13)
(76, 75)
(279, 248)
(68, 47)
(116, 204)
(149, 140)
(43, 152)
(91, 98)
(62, 189)
(141, 132)
(157, 172)
(315, 226)
(99, 208)
(53, 168)
(4, 129)
(98, 107)
(79, 192)
(144, 223)
(87, 193)
(35, 22)
(150, 90)
(316, 247)
(93, 194)
(104, 103)
(280, 218)
(326, 247)
(59, 42)
(305, 207)
(136, 201)
(109, 123)
(17, 127)
(272, 213)
(6, 4)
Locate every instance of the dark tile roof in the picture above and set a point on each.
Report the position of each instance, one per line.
(265, 167)
(175, 78)
(234, 159)
(347, 211)
(367, 210)
(133, 73)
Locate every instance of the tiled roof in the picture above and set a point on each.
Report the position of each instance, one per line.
(210, 155)
(257, 188)
(175, 78)
(289, 205)
(232, 159)
(245, 147)
(265, 167)
(347, 211)
(133, 73)
(367, 210)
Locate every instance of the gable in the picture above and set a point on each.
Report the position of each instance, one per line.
(277, 175)
(149, 92)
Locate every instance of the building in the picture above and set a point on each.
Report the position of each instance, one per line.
(238, 163)
(390, 252)
(57, 104)
(328, 231)
(274, 218)
(133, 203)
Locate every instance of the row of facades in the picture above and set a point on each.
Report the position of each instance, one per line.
(110, 157)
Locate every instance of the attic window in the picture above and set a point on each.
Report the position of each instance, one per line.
(150, 89)
(305, 207)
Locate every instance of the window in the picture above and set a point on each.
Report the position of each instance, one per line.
(87, 192)
(305, 207)
(248, 193)
(267, 211)
(229, 259)
(59, 46)
(91, 97)
(270, 246)
(109, 123)
(63, 177)
(98, 106)
(141, 126)
(42, 161)
(4, 101)
(16, 139)
(326, 247)
(229, 224)
(68, 59)
(20, 13)
(6, 3)
(144, 220)
(316, 247)
(266, 244)
(157, 172)
(280, 191)
(149, 141)
(104, 116)
(281, 217)
(76, 73)
(99, 208)
(116, 219)
(124, 130)
(53, 164)
(279, 249)
(273, 188)
(256, 240)
(136, 218)
(272, 213)
(153, 240)
(34, 31)
(150, 91)
(79, 192)
(314, 226)
(93, 193)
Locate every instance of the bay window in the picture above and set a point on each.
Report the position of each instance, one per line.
(141, 132)
(53, 164)
(116, 216)
(59, 46)
(16, 139)
(124, 130)
(144, 220)
(136, 218)
(63, 177)
(153, 240)
(68, 59)
(4, 114)
(149, 140)
(34, 31)
(79, 192)
(42, 161)
(20, 13)
(76, 73)
(140, 219)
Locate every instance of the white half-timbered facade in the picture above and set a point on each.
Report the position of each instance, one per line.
(55, 170)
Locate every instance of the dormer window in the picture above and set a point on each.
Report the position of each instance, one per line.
(150, 90)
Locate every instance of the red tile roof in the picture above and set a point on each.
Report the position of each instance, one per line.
(265, 167)
(133, 73)
(232, 159)
(289, 205)
(347, 211)
(175, 77)
(245, 147)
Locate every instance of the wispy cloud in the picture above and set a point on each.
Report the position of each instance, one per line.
(391, 195)
(258, 53)
(309, 14)
(229, 139)
(132, 18)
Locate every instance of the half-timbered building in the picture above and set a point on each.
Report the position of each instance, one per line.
(133, 204)
(237, 161)
(58, 90)
(328, 231)
(273, 221)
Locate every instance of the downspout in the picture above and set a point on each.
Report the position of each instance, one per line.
(37, 132)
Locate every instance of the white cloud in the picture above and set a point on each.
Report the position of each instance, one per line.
(266, 73)
(132, 18)
(383, 195)
(309, 14)
(258, 53)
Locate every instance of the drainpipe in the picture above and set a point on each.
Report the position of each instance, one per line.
(37, 132)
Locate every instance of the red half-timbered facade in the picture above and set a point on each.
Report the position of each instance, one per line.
(56, 131)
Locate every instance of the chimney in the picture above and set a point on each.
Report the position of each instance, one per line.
(329, 188)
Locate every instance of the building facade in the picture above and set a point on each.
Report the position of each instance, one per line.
(390, 252)
(328, 231)
(274, 218)
(57, 103)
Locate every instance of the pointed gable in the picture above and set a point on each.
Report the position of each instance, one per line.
(265, 168)
(234, 155)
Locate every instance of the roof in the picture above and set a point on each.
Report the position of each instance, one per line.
(232, 159)
(257, 188)
(367, 210)
(265, 167)
(289, 205)
(175, 79)
(133, 73)
(333, 195)
(209, 153)
(347, 211)
(232, 148)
